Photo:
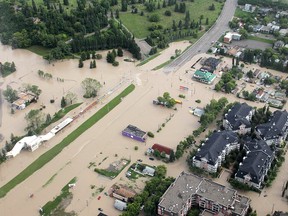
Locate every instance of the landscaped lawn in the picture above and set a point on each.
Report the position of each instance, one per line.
(53, 152)
(138, 24)
(265, 40)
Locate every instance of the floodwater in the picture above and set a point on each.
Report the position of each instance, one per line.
(102, 143)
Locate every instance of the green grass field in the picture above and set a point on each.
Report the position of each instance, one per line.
(265, 40)
(138, 24)
(53, 152)
(39, 50)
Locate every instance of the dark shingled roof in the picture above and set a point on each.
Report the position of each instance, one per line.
(215, 145)
(255, 163)
(134, 131)
(237, 115)
(276, 125)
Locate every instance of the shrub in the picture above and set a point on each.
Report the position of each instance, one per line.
(167, 13)
(198, 101)
(154, 18)
(52, 101)
(98, 56)
(136, 148)
(115, 63)
(181, 96)
(150, 134)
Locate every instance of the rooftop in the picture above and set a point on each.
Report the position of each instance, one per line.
(237, 115)
(204, 76)
(275, 126)
(123, 191)
(188, 184)
(162, 148)
(134, 131)
(215, 144)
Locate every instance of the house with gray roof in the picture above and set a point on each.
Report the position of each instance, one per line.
(256, 163)
(275, 130)
(189, 190)
(238, 118)
(211, 154)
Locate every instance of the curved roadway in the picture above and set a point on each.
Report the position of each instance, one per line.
(204, 43)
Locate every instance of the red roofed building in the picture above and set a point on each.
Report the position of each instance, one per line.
(162, 148)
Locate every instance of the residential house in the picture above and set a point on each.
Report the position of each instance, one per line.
(189, 190)
(24, 98)
(256, 163)
(278, 44)
(238, 118)
(231, 36)
(249, 8)
(161, 149)
(134, 133)
(256, 73)
(148, 171)
(256, 28)
(122, 192)
(275, 130)
(214, 150)
(283, 32)
(265, 29)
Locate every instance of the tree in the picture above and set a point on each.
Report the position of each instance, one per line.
(167, 12)
(250, 74)
(94, 64)
(70, 97)
(244, 33)
(91, 65)
(63, 102)
(161, 171)
(91, 87)
(157, 154)
(66, 2)
(48, 119)
(124, 5)
(10, 94)
(154, 18)
(81, 64)
(119, 52)
(212, 7)
(172, 156)
(32, 88)
(110, 58)
(34, 118)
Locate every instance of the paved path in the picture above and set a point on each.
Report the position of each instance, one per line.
(204, 43)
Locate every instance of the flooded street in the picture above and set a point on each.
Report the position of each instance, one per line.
(104, 139)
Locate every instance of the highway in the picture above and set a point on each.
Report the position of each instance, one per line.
(204, 43)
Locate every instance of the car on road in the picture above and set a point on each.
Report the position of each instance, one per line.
(151, 158)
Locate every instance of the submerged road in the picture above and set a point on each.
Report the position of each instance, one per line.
(204, 43)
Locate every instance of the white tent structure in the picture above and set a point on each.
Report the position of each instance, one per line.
(33, 142)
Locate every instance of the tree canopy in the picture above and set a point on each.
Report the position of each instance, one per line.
(91, 87)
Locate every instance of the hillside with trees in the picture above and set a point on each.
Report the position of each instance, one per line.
(63, 28)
